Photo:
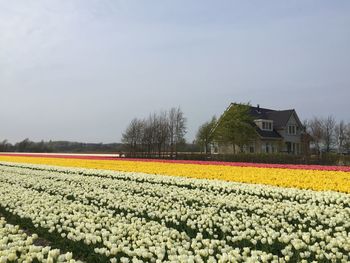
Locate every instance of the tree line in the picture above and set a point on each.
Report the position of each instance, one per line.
(27, 145)
(159, 133)
(328, 135)
(162, 133)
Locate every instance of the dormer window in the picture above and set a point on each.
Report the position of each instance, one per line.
(263, 124)
(267, 126)
(292, 130)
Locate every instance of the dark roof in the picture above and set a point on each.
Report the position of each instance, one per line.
(279, 117)
(259, 113)
(268, 134)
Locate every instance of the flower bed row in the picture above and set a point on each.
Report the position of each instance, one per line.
(238, 164)
(302, 179)
(141, 217)
(17, 246)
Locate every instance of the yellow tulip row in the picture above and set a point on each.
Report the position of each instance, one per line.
(295, 178)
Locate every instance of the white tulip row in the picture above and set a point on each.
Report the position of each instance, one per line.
(157, 218)
(17, 246)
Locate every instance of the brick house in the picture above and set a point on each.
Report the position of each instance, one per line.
(278, 131)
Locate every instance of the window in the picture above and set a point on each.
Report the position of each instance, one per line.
(267, 126)
(289, 147)
(292, 129)
(267, 147)
(293, 148)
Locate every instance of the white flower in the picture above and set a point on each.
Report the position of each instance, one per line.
(110, 210)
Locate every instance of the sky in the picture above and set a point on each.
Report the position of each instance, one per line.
(80, 70)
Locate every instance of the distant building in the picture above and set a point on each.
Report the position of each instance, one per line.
(277, 131)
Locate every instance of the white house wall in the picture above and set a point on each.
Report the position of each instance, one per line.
(291, 138)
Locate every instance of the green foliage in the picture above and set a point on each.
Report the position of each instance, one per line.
(205, 134)
(236, 126)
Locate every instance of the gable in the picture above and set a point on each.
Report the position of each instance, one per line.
(294, 120)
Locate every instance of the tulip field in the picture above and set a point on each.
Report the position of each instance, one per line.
(64, 209)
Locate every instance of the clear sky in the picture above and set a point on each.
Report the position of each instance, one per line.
(82, 69)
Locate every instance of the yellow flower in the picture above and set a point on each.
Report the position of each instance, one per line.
(294, 178)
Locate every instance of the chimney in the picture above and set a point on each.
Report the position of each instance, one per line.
(258, 108)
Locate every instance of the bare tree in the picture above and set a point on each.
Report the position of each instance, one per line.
(172, 129)
(315, 129)
(157, 133)
(328, 126)
(340, 135)
(133, 135)
(347, 138)
(205, 134)
(161, 131)
(149, 133)
(177, 128)
(4, 146)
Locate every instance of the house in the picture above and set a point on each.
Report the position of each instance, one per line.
(277, 131)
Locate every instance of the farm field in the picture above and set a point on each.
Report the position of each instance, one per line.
(95, 210)
(320, 178)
